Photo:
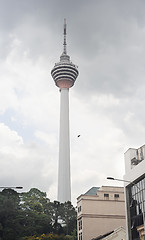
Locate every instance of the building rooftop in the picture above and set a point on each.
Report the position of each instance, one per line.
(111, 233)
(103, 236)
(92, 191)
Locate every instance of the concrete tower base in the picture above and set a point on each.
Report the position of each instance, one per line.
(64, 184)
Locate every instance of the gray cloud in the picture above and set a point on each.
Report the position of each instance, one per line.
(106, 40)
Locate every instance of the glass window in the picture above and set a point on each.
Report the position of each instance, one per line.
(137, 206)
(116, 195)
(79, 209)
(80, 224)
(106, 196)
(80, 236)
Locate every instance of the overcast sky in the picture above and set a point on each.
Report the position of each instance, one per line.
(106, 40)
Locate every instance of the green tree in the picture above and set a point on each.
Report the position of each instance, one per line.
(32, 214)
(34, 200)
(34, 204)
(69, 217)
(9, 208)
(23, 215)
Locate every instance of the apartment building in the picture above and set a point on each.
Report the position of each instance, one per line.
(100, 210)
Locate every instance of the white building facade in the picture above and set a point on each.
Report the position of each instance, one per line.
(135, 192)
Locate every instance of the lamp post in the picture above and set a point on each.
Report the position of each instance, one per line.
(12, 187)
(134, 184)
(121, 180)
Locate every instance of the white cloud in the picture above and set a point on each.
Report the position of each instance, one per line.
(49, 139)
(26, 165)
(9, 137)
(106, 41)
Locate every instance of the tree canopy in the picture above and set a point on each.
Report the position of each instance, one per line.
(31, 215)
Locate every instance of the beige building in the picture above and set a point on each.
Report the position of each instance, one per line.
(100, 210)
(140, 229)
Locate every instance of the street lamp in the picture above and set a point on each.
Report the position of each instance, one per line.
(12, 187)
(121, 180)
(127, 181)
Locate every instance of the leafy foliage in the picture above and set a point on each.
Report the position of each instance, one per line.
(49, 236)
(31, 215)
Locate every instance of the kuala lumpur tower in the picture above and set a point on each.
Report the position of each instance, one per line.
(64, 74)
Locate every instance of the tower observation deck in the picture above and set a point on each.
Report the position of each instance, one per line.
(64, 74)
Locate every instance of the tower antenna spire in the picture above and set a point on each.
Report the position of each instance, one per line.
(64, 43)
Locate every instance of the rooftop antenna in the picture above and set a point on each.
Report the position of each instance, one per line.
(64, 43)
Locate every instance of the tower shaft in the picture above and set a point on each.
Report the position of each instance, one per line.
(64, 74)
(64, 184)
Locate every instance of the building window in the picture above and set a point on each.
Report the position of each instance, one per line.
(106, 196)
(136, 206)
(80, 236)
(116, 196)
(80, 224)
(79, 209)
